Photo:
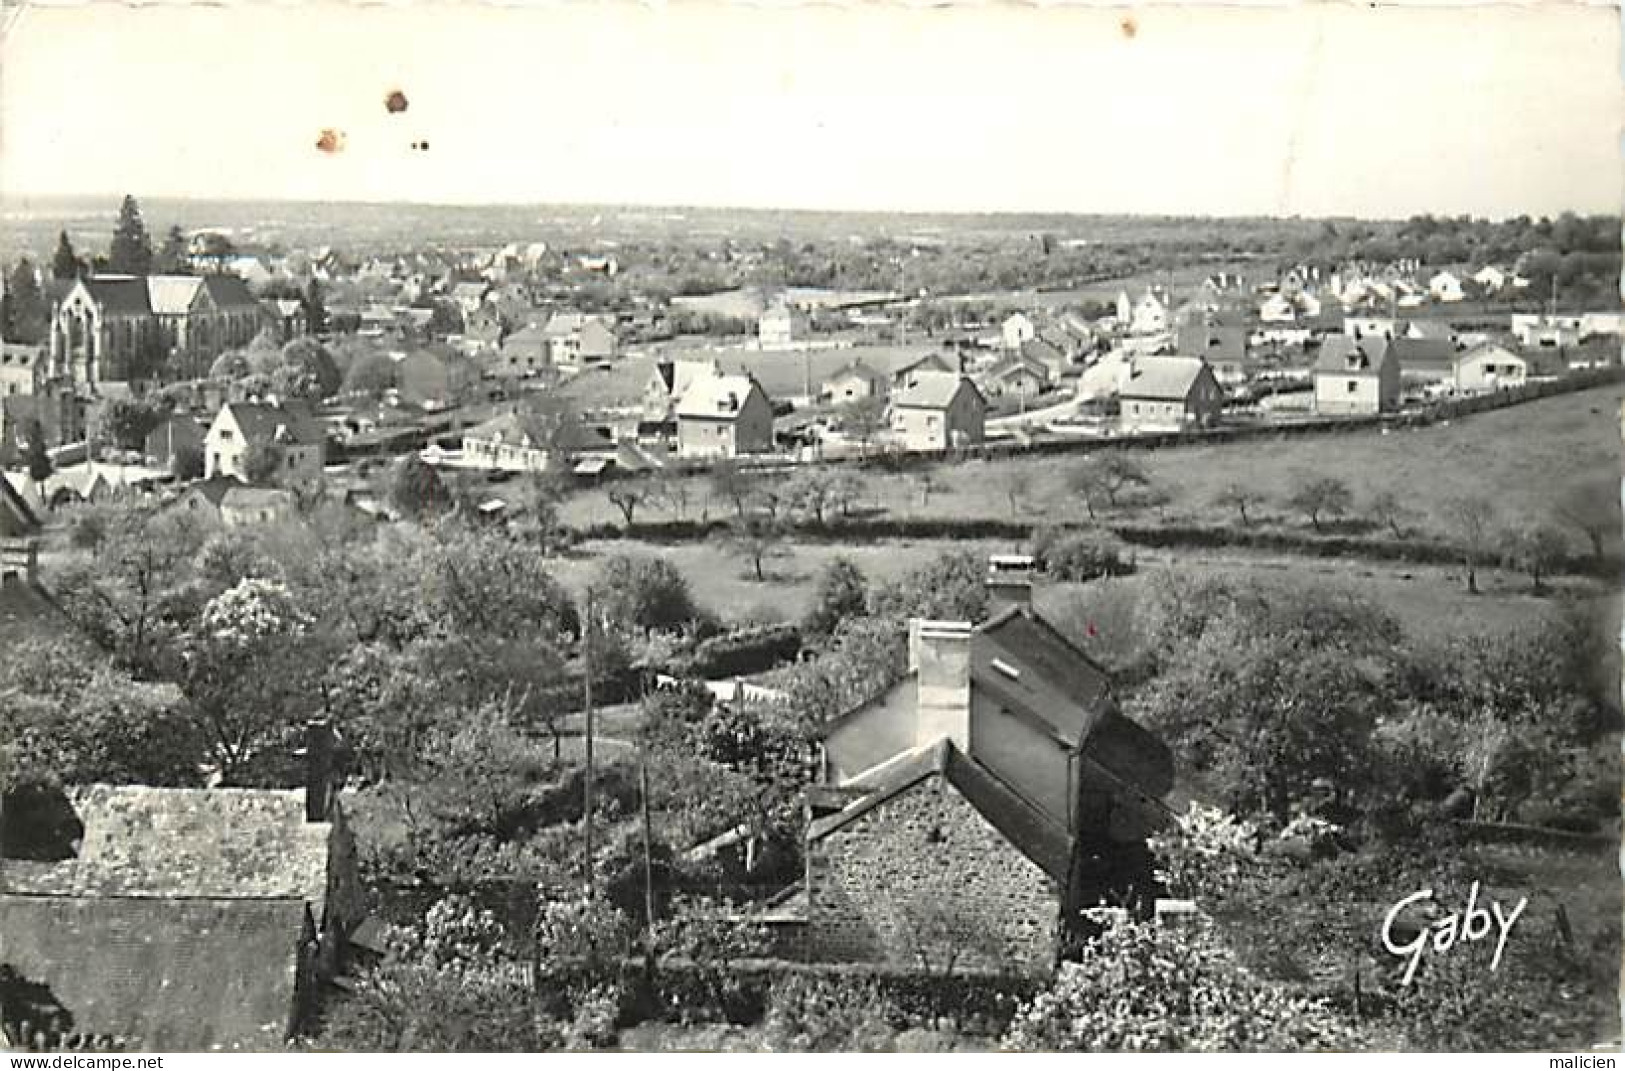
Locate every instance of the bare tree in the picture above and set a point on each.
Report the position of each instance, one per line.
(675, 491)
(813, 493)
(1472, 520)
(1017, 486)
(1593, 508)
(732, 484)
(1241, 498)
(1319, 497)
(926, 481)
(1106, 475)
(1536, 549)
(1389, 512)
(846, 492)
(864, 419)
(627, 496)
(755, 540)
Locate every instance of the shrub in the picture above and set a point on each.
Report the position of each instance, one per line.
(1205, 853)
(1144, 987)
(812, 1014)
(1079, 556)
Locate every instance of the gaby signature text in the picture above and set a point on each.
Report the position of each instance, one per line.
(1411, 936)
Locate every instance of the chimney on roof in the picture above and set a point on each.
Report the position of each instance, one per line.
(1009, 582)
(19, 561)
(939, 656)
(319, 769)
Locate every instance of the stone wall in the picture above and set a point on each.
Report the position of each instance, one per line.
(923, 881)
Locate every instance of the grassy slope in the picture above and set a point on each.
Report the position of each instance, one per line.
(1522, 457)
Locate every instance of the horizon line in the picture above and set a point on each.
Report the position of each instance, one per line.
(117, 198)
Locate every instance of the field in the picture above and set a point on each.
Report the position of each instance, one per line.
(1522, 458)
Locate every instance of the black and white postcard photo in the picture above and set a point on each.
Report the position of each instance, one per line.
(721, 527)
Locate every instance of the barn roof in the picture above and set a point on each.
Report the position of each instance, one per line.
(172, 975)
(186, 843)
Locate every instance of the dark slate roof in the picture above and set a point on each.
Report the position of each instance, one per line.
(174, 975)
(120, 293)
(1214, 342)
(260, 422)
(1424, 354)
(17, 518)
(229, 291)
(1023, 825)
(27, 612)
(215, 487)
(1059, 688)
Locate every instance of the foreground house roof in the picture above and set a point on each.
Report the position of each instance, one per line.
(185, 843)
(1026, 828)
(176, 976)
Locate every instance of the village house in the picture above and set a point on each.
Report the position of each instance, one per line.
(1446, 287)
(1168, 394)
(1048, 354)
(1425, 360)
(854, 382)
(1015, 377)
(287, 317)
(780, 325)
(1546, 332)
(183, 920)
(1150, 315)
(1017, 328)
(938, 410)
(504, 442)
(575, 340)
(1001, 761)
(176, 435)
(1356, 376)
(930, 362)
(26, 609)
(1223, 347)
(524, 353)
(21, 368)
(724, 416)
(1370, 326)
(668, 381)
(1490, 279)
(1489, 366)
(286, 428)
(433, 378)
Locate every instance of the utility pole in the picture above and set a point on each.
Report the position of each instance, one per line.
(648, 867)
(586, 783)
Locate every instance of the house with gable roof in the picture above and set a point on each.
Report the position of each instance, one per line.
(288, 427)
(1168, 394)
(1356, 376)
(181, 919)
(724, 415)
(854, 382)
(935, 410)
(973, 810)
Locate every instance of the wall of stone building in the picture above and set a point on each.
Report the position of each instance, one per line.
(923, 880)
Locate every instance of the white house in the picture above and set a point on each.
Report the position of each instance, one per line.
(1491, 278)
(1489, 367)
(780, 325)
(1016, 329)
(1150, 315)
(289, 430)
(1446, 286)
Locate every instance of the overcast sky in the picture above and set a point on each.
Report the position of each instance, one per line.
(1312, 109)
